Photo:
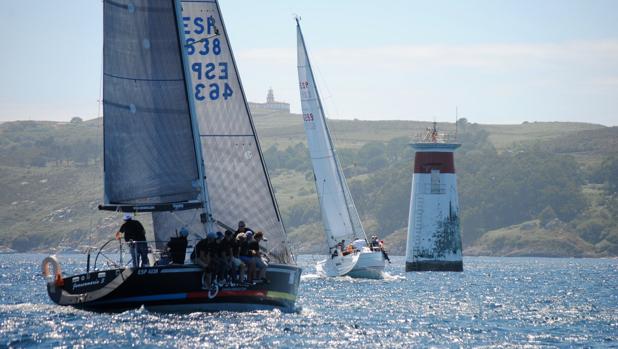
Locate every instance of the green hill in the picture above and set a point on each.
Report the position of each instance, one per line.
(50, 183)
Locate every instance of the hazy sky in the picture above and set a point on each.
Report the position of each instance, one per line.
(499, 61)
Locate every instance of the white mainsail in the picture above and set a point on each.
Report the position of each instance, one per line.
(339, 215)
(238, 184)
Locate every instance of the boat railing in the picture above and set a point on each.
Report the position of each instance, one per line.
(114, 251)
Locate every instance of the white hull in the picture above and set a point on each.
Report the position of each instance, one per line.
(365, 264)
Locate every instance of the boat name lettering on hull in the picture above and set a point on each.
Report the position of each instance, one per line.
(89, 283)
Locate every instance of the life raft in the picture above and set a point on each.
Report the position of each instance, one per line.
(55, 277)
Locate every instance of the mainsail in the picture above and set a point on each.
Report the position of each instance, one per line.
(149, 150)
(339, 215)
(238, 184)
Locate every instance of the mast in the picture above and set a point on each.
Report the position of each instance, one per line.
(349, 204)
(206, 216)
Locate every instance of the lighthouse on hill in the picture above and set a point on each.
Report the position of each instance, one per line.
(434, 238)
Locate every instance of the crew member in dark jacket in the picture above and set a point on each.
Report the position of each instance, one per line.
(135, 235)
(242, 228)
(254, 250)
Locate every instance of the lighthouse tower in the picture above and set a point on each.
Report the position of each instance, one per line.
(434, 239)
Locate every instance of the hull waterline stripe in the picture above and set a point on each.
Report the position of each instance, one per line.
(182, 270)
(202, 294)
(157, 297)
(227, 293)
(281, 295)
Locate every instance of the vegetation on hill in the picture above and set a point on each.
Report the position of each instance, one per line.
(508, 177)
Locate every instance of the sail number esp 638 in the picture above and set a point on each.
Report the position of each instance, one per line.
(202, 41)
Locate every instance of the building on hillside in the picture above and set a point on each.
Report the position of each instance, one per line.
(270, 104)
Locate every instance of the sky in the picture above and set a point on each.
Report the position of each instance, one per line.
(497, 61)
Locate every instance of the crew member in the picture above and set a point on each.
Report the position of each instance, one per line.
(246, 255)
(135, 235)
(204, 257)
(384, 251)
(231, 248)
(254, 247)
(242, 228)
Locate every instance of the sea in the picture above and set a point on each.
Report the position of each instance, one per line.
(495, 302)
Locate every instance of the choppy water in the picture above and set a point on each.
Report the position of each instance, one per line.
(496, 302)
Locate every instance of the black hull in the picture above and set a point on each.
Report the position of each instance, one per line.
(434, 266)
(175, 288)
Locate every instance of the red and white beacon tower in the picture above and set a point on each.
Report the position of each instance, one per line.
(434, 238)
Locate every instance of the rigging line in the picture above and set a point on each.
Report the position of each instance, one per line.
(204, 38)
(186, 223)
(99, 122)
(141, 79)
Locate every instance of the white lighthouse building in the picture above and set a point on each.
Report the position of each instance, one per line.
(434, 238)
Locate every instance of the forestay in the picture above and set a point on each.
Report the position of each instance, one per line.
(339, 215)
(149, 152)
(238, 183)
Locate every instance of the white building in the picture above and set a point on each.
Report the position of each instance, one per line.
(270, 104)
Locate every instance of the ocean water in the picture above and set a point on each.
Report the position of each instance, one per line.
(495, 302)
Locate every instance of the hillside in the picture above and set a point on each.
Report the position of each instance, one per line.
(50, 183)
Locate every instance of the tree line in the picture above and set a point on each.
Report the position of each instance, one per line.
(496, 189)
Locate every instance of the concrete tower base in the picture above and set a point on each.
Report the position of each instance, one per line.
(434, 266)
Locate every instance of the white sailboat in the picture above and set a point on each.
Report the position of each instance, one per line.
(342, 224)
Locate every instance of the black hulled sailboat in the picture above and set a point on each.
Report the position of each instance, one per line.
(179, 142)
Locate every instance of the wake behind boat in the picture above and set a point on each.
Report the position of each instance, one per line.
(179, 143)
(357, 258)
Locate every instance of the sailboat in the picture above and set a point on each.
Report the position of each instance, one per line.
(339, 215)
(180, 144)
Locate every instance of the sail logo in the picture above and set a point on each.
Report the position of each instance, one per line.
(203, 47)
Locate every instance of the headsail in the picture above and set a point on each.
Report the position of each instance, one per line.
(339, 215)
(150, 156)
(238, 184)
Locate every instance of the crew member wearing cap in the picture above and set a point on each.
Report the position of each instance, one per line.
(135, 235)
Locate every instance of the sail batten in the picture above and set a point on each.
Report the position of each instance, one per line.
(339, 215)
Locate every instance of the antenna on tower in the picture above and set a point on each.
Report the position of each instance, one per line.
(456, 118)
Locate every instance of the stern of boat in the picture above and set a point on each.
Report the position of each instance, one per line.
(370, 265)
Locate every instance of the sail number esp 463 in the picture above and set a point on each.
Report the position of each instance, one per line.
(210, 77)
